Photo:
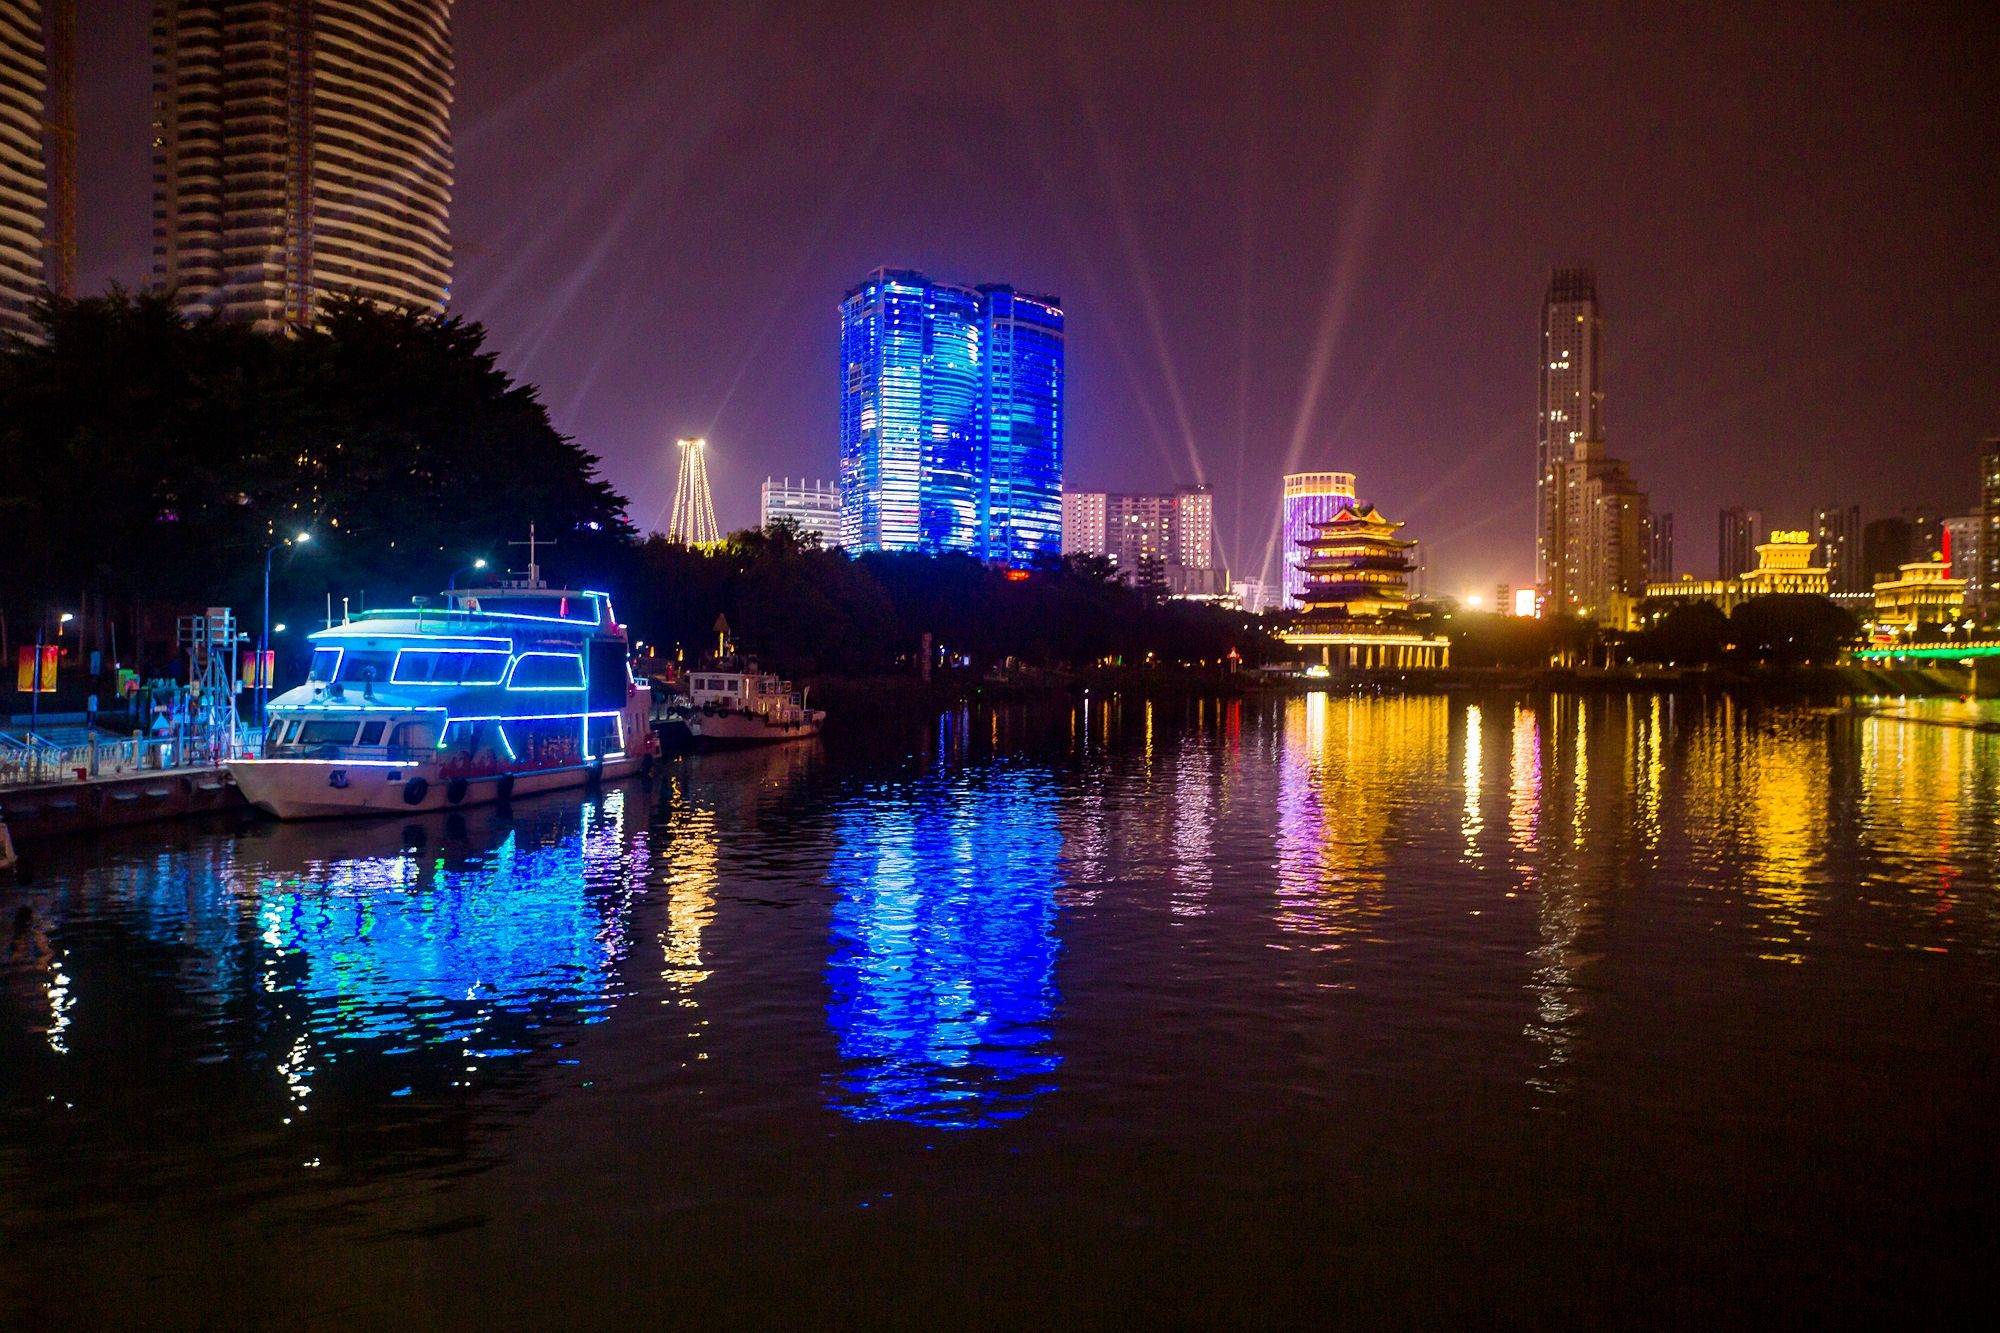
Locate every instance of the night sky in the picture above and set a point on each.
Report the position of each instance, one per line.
(1284, 236)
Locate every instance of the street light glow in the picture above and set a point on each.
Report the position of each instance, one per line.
(303, 538)
(65, 618)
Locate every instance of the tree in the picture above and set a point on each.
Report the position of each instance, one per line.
(146, 460)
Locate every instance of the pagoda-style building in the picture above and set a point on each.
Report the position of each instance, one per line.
(1356, 605)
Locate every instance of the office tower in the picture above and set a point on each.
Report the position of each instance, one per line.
(301, 151)
(951, 419)
(1660, 547)
(1963, 551)
(23, 189)
(1887, 544)
(1837, 530)
(1989, 521)
(1570, 410)
(1021, 395)
(1161, 541)
(813, 505)
(1737, 532)
(1311, 498)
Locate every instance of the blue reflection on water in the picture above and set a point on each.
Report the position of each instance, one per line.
(944, 947)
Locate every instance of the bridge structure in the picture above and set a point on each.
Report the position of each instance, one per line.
(1946, 649)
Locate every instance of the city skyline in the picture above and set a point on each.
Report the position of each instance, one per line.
(1370, 318)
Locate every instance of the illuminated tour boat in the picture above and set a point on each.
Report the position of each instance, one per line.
(744, 706)
(501, 692)
(1355, 607)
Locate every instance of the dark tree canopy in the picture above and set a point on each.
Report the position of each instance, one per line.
(146, 459)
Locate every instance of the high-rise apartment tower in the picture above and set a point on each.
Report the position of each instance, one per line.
(23, 185)
(1571, 408)
(302, 148)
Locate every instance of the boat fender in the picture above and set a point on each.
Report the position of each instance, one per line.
(454, 791)
(415, 790)
(505, 787)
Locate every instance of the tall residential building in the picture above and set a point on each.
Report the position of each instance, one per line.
(1737, 532)
(1311, 498)
(301, 150)
(23, 187)
(1964, 551)
(1601, 535)
(1164, 541)
(1592, 544)
(813, 505)
(1837, 531)
(1887, 544)
(1989, 521)
(951, 419)
(1926, 531)
(1659, 547)
(1570, 410)
(1084, 521)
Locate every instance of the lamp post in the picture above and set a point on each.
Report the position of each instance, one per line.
(264, 630)
(480, 563)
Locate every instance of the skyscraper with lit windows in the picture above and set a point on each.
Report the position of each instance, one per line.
(951, 419)
(23, 189)
(1311, 499)
(1570, 414)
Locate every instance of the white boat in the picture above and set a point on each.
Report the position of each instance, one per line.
(499, 693)
(732, 706)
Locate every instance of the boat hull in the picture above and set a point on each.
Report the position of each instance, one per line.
(721, 731)
(334, 789)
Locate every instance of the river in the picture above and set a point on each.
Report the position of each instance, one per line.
(1396, 1009)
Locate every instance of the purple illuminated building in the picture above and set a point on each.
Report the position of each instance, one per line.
(1311, 498)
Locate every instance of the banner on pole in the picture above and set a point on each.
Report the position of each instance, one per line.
(27, 680)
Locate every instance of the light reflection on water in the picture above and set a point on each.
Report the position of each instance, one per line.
(942, 968)
(1240, 932)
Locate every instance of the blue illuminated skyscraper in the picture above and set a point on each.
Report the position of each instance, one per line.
(950, 419)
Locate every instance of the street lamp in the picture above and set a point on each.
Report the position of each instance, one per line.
(480, 563)
(264, 628)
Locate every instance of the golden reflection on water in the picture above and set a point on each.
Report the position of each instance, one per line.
(1345, 765)
(1471, 823)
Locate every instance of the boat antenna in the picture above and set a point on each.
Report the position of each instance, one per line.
(533, 544)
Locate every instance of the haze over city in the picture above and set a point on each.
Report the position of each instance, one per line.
(1282, 238)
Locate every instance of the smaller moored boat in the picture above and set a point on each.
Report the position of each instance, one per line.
(740, 705)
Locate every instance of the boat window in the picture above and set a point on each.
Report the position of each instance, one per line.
(606, 736)
(434, 666)
(608, 677)
(326, 731)
(325, 662)
(413, 736)
(546, 671)
(371, 732)
(357, 668)
(555, 606)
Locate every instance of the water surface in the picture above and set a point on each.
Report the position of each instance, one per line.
(1382, 1008)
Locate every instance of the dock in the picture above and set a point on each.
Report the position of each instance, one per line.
(109, 784)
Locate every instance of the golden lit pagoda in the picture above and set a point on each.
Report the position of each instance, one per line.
(1356, 602)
